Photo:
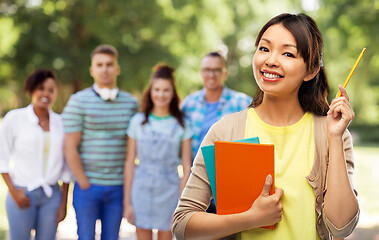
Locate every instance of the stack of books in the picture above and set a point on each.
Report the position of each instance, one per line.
(237, 172)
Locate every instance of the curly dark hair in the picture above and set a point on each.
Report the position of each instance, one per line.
(38, 77)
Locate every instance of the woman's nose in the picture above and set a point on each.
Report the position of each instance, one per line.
(272, 61)
(160, 93)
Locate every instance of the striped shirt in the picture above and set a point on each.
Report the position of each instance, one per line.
(194, 108)
(103, 125)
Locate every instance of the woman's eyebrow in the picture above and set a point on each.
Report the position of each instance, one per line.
(285, 45)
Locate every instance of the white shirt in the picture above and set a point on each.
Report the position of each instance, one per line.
(22, 141)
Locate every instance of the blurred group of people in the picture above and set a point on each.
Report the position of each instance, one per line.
(124, 163)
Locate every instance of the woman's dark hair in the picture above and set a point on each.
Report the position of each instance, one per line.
(38, 77)
(162, 71)
(312, 94)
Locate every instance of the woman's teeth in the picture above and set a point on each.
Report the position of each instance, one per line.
(270, 75)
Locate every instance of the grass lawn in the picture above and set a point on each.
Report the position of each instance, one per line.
(365, 179)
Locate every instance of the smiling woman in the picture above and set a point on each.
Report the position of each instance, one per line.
(161, 141)
(313, 148)
(279, 68)
(43, 96)
(33, 138)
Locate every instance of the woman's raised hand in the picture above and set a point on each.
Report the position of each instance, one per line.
(340, 114)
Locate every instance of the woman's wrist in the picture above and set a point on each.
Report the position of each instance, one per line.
(334, 136)
(13, 190)
(249, 220)
(334, 140)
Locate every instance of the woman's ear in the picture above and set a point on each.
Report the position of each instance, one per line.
(312, 74)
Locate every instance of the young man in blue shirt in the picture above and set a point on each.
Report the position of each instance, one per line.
(205, 107)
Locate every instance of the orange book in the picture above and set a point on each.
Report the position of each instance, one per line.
(241, 171)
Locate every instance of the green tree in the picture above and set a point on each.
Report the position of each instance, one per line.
(60, 35)
(348, 27)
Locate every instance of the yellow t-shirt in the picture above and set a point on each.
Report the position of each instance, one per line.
(294, 157)
(46, 149)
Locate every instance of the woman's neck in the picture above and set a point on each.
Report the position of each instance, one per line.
(161, 111)
(41, 113)
(280, 111)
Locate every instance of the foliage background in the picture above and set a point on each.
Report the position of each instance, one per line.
(60, 35)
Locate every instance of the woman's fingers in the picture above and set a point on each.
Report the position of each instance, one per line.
(339, 100)
(343, 92)
(341, 107)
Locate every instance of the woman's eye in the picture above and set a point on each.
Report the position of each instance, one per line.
(289, 55)
(264, 49)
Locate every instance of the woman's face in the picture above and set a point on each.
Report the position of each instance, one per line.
(161, 92)
(44, 95)
(278, 67)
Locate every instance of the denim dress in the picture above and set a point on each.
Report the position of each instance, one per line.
(156, 184)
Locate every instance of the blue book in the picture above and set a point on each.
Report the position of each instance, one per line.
(209, 160)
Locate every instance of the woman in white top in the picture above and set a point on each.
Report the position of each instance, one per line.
(32, 138)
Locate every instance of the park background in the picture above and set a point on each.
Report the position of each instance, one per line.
(60, 35)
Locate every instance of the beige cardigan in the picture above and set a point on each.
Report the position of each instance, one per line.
(197, 193)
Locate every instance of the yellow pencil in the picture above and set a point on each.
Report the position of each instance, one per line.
(352, 71)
